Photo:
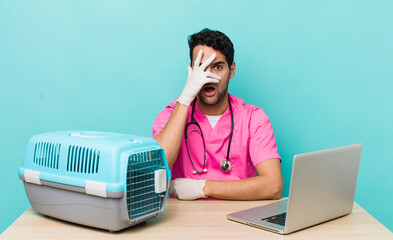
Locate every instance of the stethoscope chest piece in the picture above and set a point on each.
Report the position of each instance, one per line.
(226, 165)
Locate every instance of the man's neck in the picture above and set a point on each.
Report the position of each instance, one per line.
(214, 110)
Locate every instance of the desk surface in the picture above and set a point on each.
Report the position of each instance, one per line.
(197, 220)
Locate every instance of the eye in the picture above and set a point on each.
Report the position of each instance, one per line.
(218, 67)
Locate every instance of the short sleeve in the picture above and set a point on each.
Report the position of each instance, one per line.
(162, 118)
(262, 141)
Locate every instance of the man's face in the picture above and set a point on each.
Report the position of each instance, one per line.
(213, 93)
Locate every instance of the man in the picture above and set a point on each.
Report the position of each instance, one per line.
(228, 141)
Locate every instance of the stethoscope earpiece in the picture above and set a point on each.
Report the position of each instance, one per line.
(195, 172)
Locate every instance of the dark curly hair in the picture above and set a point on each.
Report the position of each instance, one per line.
(215, 39)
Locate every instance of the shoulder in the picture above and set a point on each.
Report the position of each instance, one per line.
(251, 112)
(172, 105)
(163, 117)
(251, 117)
(167, 111)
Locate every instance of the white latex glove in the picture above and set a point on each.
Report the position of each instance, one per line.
(197, 77)
(187, 189)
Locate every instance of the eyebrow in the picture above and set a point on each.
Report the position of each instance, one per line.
(214, 63)
(217, 63)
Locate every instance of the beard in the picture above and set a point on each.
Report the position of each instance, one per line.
(217, 99)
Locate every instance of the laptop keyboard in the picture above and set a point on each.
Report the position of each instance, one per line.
(278, 219)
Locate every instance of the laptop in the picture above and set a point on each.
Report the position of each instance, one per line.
(322, 188)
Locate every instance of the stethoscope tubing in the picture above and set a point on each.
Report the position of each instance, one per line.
(204, 147)
(227, 165)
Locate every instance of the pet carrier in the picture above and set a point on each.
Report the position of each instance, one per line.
(99, 179)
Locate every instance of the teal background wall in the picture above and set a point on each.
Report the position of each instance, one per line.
(321, 70)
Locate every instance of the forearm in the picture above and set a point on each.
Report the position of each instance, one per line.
(171, 135)
(254, 188)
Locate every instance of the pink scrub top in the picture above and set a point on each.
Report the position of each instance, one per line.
(252, 142)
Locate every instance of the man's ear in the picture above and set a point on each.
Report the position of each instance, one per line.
(232, 70)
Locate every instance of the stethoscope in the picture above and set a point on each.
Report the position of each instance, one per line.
(225, 164)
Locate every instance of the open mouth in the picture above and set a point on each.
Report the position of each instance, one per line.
(208, 90)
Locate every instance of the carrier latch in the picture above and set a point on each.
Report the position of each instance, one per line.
(160, 180)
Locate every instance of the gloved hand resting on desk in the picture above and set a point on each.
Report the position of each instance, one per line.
(187, 189)
(197, 77)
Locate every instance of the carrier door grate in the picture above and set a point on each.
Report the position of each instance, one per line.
(141, 197)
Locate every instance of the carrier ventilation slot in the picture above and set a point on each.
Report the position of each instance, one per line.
(82, 159)
(142, 200)
(47, 154)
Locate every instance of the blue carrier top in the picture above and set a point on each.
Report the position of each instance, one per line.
(80, 158)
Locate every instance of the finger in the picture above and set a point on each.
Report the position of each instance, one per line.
(198, 59)
(208, 61)
(212, 75)
(189, 72)
(210, 80)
